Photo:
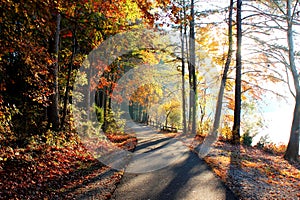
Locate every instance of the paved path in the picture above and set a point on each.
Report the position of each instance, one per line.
(164, 169)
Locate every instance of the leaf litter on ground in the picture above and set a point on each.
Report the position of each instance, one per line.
(252, 173)
(50, 172)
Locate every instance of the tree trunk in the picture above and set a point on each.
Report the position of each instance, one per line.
(103, 106)
(292, 151)
(224, 76)
(202, 112)
(183, 24)
(189, 70)
(66, 98)
(193, 81)
(53, 116)
(237, 107)
(167, 116)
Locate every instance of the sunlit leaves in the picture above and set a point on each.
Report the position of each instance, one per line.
(253, 173)
(147, 94)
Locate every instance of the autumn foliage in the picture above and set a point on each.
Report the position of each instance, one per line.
(43, 45)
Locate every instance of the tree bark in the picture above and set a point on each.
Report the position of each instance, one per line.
(192, 61)
(237, 107)
(292, 151)
(183, 26)
(53, 117)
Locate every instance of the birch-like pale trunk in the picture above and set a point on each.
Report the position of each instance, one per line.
(182, 37)
(292, 151)
(224, 76)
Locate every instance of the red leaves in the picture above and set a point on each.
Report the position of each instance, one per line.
(38, 172)
(50, 172)
(67, 35)
(125, 141)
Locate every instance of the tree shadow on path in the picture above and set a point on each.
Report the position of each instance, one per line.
(193, 179)
(235, 168)
(187, 177)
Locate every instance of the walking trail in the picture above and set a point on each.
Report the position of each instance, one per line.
(163, 168)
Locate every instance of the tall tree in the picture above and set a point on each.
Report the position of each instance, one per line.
(53, 116)
(182, 39)
(292, 152)
(224, 75)
(69, 73)
(238, 81)
(282, 51)
(192, 70)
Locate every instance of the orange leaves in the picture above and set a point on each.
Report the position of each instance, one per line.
(107, 68)
(216, 162)
(103, 82)
(249, 164)
(146, 93)
(124, 141)
(231, 103)
(175, 9)
(260, 175)
(43, 172)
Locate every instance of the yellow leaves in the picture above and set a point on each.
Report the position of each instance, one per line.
(131, 10)
(214, 46)
(149, 57)
(173, 104)
(243, 97)
(147, 94)
(228, 118)
(229, 85)
(290, 173)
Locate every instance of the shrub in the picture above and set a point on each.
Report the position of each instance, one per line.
(275, 149)
(264, 140)
(226, 133)
(114, 123)
(247, 139)
(204, 128)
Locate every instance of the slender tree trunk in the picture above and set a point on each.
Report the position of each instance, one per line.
(133, 107)
(237, 107)
(203, 113)
(183, 24)
(167, 116)
(224, 76)
(192, 62)
(53, 108)
(104, 126)
(189, 72)
(292, 152)
(66, 97)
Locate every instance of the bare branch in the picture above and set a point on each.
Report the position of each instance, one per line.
(263, 89)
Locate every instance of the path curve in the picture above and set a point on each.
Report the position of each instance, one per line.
(182, 176)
